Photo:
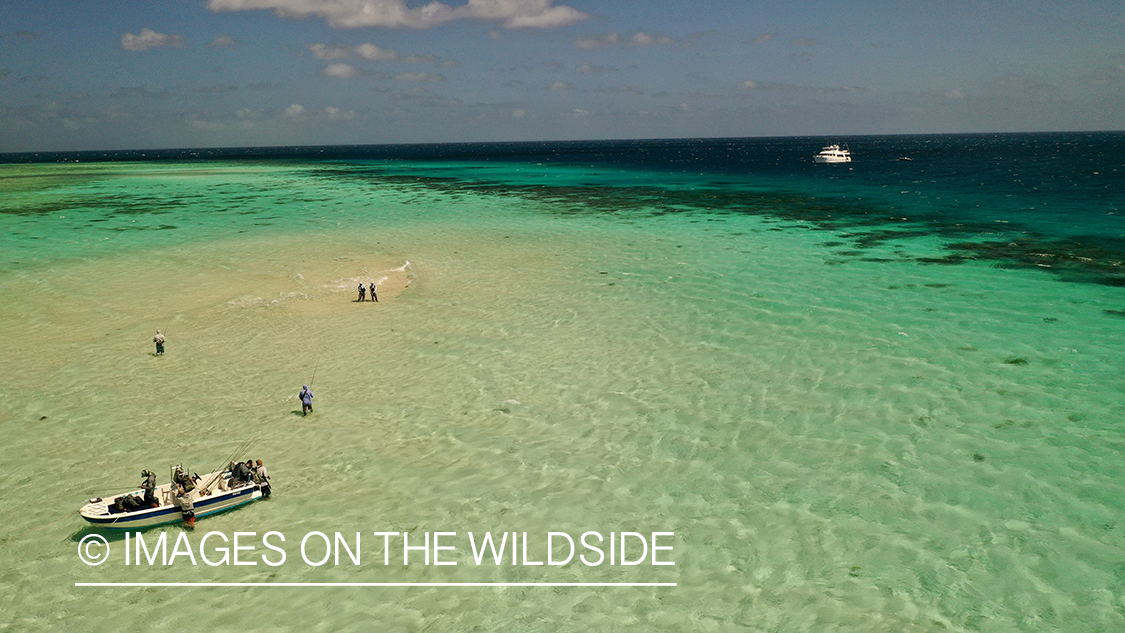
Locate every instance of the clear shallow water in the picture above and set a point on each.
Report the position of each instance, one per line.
(848, 422)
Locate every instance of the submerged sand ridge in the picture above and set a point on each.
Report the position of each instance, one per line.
(85, 328)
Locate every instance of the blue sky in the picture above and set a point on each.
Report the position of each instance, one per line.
(117, 74)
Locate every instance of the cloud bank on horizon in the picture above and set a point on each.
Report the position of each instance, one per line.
(393, 14)
(205, 73)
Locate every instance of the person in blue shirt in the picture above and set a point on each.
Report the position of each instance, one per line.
(306, 397)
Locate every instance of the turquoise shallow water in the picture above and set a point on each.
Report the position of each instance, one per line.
(840, 433)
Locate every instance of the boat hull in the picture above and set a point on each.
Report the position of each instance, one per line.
(97, 511)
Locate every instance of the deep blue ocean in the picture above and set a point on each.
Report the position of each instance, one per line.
(1054, 201)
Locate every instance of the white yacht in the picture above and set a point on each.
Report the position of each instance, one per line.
(834, 154)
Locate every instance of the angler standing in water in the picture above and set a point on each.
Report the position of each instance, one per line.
(159, 340)
(262, 478)
(306, 397)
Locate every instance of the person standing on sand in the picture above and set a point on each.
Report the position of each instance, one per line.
(306, 397)
(362, 291)
(159, 340)
(374, 297)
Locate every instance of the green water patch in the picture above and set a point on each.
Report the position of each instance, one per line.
(1080, 259)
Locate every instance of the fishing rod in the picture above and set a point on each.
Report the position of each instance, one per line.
(316, 367)
(242, 448)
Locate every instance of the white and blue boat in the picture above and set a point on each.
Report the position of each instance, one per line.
(212, 494)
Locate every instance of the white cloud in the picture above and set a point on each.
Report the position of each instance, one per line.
(640, 38)
(340, 71)
(366, 51)
(597, 41)
(763, 38)
(749, 84)
(294, 110)
(518, 114)
(336, 114)
(374, 53)
(954, 94)
(560, 85)
(396, 14)
(328, 51)
(222, 41)
(549, 18)
(150, 39)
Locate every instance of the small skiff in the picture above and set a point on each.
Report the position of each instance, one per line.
(212, 494)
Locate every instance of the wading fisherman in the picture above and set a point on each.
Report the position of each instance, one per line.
(262, 478)
(159, 340)
(182, 485)
(374, 297)
(362, 291)
(149, 484)
(187, 509)
(306, 397)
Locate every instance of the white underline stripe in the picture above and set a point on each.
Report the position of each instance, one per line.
(375, 584)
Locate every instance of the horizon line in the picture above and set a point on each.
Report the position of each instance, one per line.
(213, 148)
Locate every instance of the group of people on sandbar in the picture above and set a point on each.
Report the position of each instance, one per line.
(363, 292)
(160, 340)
